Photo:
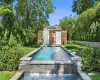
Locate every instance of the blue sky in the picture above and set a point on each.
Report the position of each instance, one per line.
(63, 8)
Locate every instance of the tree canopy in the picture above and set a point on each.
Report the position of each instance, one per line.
(68, 23)
(26, 19)
(81, 5)
(87, 25)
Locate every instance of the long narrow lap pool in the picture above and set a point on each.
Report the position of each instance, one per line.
(51, 53)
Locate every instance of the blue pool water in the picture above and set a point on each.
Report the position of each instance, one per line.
(74, 76)
(51, 53)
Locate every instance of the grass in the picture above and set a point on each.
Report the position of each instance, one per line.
(6, 75)
(27, 49)
(95, 77)
(74, 47)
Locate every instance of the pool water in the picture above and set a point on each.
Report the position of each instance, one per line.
(51, 53)
(74, 76)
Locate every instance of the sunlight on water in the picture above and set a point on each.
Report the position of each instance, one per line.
(37, 76)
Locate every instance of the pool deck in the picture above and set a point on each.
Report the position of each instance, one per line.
(17, 75)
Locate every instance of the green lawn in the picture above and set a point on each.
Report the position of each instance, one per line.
(27, 49)
(6, 75)
(95, 77)
(74, 47)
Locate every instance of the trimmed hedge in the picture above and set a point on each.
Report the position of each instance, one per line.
(9, 58)
(10, 52)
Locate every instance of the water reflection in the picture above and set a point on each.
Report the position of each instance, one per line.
(31, 76)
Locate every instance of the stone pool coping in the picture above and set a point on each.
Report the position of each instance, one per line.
(18, 75)
(50, 62)
(84, 75)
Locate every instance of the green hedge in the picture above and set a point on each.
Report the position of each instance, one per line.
(91, 59)
(10, 52)
(9, 58)
(88, 25)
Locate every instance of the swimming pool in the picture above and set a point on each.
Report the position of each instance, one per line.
(72, 76)
(40, 64)
(51, 53)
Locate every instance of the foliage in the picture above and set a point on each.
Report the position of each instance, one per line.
(80, 6)
(10, 54)
(68, 23)
(19, 27)
(7, 15)
(26, 19)
(31, 17)
(4, 10)
(11, 51)
(88, 25)
(91, 59)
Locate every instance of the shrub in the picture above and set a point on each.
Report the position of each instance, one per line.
(9, 58)
(91, 59)
(10, 54)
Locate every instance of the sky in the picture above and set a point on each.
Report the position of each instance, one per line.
(63, 8)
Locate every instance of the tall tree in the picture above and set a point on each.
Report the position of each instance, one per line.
(87, 25)
(68, 23)
(7, 15)
(33, 14)
(81, 5)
